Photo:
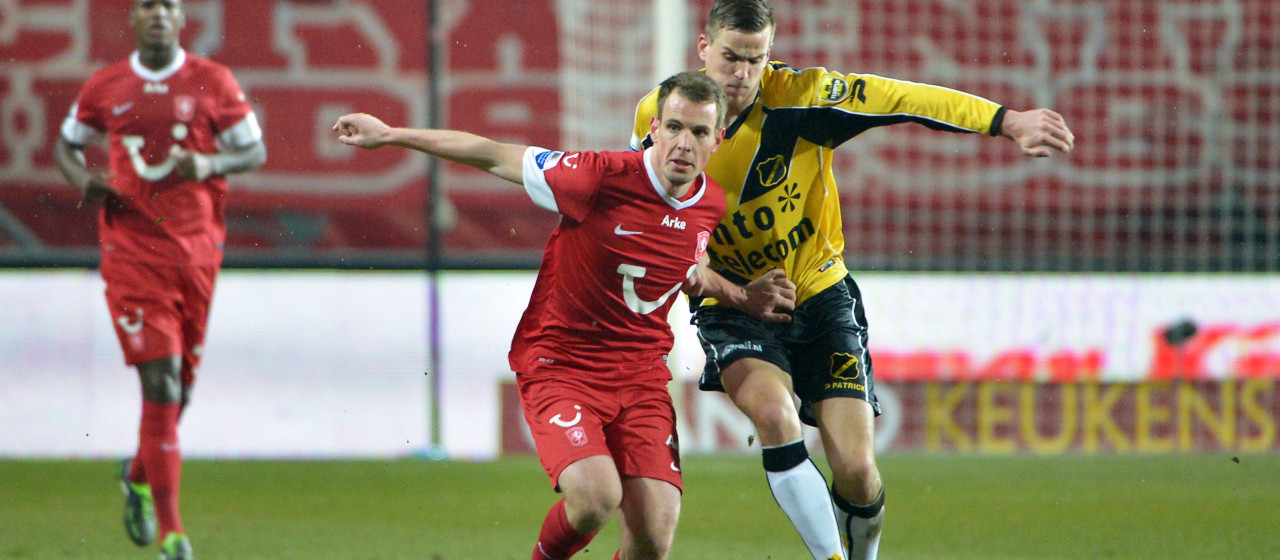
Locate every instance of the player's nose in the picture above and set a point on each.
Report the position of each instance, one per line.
(684, 142)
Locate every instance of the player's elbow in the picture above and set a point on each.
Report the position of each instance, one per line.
(257, 156)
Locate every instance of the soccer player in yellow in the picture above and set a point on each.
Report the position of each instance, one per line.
(784, 212)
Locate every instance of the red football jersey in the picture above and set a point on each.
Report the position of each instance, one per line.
(614, 266)
(194, 104)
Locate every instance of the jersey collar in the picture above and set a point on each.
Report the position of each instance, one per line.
(135, 61)
(699, 184)
(742, 117)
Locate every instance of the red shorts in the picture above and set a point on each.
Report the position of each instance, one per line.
(572, 418)
(159, 310)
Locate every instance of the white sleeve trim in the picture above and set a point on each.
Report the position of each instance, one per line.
(76, 132)
(536, 161)
(243, 134)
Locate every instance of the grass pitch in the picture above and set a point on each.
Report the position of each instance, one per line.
(939, 508)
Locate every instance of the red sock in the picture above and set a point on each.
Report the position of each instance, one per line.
(558, 540)
(617, 555)
(158, 450)
(136, 472)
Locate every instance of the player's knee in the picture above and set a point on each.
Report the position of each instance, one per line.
(161, 380)
(588, 510)
(776, 422)
(649, 547)
(857, 478)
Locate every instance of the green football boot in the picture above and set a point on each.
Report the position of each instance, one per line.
(176, 546)
(139, 508)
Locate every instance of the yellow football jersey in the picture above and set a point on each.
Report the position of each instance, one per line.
(783, 209)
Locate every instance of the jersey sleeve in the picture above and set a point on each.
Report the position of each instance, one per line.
(645, 111)
(563, 182)
(841, 106)
(84, 122)
(234, 119)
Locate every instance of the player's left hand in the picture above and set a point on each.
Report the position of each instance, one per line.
(1037, 131)
(363, 130)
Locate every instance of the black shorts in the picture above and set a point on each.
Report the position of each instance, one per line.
(823, 348)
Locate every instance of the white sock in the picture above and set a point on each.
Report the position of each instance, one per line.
(862, 534)
(801, 492)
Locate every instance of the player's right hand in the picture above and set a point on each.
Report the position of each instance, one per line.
(1038, 130)
(363, 130)
(771, 297)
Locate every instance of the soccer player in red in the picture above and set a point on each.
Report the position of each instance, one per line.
(175, 125)
(590, 351)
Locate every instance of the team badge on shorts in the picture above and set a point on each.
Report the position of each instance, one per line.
(577, 436)
(846, 374)
(844, 366)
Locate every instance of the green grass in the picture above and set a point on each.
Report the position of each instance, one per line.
(939, 508)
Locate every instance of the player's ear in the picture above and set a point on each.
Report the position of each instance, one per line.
(704, 43)
(653, 127)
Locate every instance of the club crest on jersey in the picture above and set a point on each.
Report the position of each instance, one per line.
(674, 223)
(547, 159)
(704, 237)
(184, 108)
(772, 171)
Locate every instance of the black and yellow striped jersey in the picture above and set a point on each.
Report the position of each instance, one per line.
(783, 209)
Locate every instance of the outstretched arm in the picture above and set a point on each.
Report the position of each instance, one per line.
(771, 297)
(1037, 130)
(367, 131)
(198, 166)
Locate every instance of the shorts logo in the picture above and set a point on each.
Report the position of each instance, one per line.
(674, 444)
(547, 159)
(133, 329)
(833, 89)
(746, 346)
(563, 424)
(842, 363)
(577, 436)
(130, 327)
